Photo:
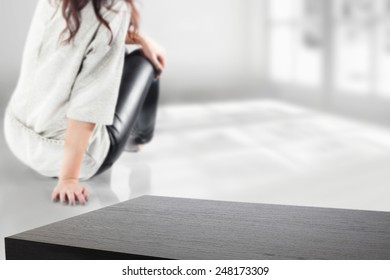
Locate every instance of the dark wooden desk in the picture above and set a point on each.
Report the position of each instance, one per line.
(152, 227)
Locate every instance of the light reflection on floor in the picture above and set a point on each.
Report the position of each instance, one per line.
(253, 151)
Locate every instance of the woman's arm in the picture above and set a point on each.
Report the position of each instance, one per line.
(76, 141)
(150, 48)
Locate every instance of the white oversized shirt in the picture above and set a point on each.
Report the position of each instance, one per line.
(79, 81)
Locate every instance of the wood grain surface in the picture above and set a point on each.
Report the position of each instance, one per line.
(153, 227)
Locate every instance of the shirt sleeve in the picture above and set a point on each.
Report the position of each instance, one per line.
(95, 91)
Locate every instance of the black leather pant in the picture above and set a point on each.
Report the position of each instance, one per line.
(136, 108)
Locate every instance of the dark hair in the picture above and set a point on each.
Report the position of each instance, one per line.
(71, 10)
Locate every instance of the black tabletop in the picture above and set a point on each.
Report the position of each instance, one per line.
(153, 227)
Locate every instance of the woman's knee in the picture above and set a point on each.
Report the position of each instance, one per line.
(138, 57)
(137, 52)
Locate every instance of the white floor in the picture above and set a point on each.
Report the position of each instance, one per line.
(253, 151)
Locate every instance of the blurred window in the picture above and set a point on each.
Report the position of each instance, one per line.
(382, 49)
(354, 45)
(296, 40)
(352, 36)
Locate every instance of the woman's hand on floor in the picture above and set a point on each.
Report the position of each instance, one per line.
(68, 188)
(70, 191)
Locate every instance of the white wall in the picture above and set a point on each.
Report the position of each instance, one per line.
(15, 18)
(214, 47)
